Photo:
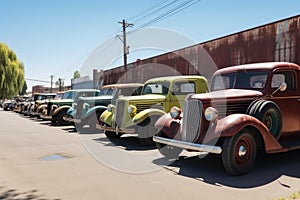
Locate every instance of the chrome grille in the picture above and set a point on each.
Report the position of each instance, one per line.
(120, 110)
(192, 114)
(49, 107)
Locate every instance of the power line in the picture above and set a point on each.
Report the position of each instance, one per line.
(170, 13)
(158, 9)
(30, 79)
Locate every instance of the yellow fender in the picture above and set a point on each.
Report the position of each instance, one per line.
(141, 116)
(107, 118)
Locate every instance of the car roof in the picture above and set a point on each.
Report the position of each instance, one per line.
(175, 78)
(122, 85)
(260, 66)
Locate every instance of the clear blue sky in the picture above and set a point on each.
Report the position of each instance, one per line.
(54, 37)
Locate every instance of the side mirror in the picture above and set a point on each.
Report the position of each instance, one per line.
(283, 86)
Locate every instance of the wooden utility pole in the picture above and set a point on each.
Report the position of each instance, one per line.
(51, 83)
(125, 47)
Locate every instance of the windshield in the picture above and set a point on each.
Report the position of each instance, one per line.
(156, 88)
(240, 80)
(69, 95)
(41, 97)
(106, 91)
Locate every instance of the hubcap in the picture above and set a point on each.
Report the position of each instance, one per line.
(242, 151)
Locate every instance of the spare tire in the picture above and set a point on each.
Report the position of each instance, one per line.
(269, 113)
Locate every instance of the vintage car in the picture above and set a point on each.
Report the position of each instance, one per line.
(88, 109)
(56, 110)
(29, 103)
(41, 105)
(138, 114)
(42, 98)
(250, 107)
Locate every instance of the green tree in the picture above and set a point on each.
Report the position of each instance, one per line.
(24, 88)
(76, 74)
(12, 75)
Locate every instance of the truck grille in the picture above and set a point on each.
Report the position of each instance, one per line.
(120, 111)
(79, 108)
(192, 114)
(49, 107)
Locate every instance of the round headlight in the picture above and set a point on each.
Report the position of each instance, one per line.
(131, 109)
(110, 108)
(86, 106)
(175, 112)
(211, 114)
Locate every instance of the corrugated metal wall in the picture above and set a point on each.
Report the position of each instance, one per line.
(277, 41)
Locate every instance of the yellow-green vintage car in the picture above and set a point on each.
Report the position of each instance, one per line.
(138, 114)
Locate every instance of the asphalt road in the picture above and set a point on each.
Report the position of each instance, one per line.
(40, 161)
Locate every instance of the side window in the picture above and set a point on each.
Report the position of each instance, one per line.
(283, 76)
(183, 88)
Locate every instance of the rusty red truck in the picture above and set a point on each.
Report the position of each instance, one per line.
(249, 108)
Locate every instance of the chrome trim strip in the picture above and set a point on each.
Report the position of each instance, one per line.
(188, 145)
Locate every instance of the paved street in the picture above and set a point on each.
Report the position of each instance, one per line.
(40, 161)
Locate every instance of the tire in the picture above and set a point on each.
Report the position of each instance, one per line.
(239, 153)
(168, 151)
(60, 118)
(268, 113)
(146, 131)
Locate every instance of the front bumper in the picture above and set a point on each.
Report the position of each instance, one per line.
(188, 145)
(116, 130)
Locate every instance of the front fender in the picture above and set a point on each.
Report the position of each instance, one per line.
(42, 107)
(71, 112)
(107, 118)
(232, 124)
(168, 125)
(141, 116)
(59, 109)
(93, 110)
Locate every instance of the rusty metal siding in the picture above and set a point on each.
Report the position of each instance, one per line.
(277, 41)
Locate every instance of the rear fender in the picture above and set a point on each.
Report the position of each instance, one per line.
(233, 124)
(141, 116)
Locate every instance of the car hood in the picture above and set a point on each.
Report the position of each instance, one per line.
(146, 97)
(228, 94)
(103, 97)
(59, 101)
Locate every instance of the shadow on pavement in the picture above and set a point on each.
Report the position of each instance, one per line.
(210, 169)
(129, 143)
(6, 193)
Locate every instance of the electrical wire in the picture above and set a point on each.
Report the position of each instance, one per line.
(170, 13)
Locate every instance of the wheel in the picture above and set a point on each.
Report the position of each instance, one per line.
(268, 113)
(146, 130)
(60, 118)
(239, 153)
(168, 151)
